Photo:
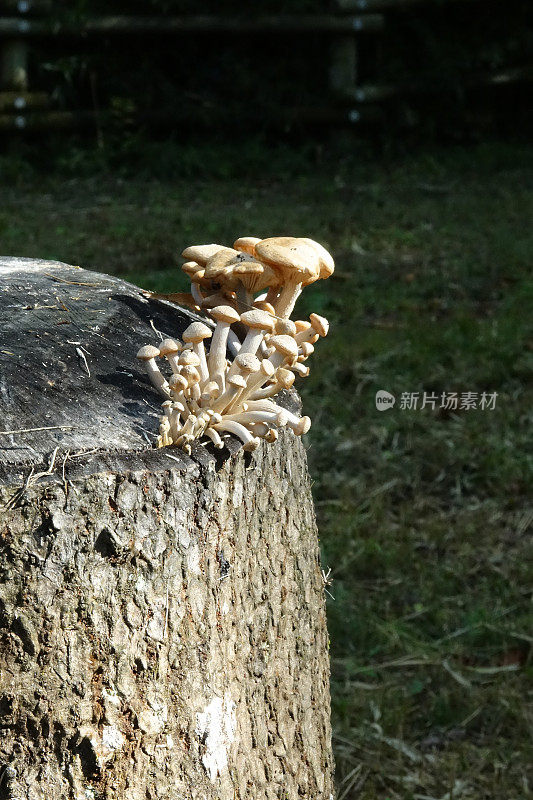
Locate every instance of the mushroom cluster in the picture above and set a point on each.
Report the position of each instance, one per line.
(247, 293)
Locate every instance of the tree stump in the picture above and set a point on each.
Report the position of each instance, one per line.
(162, 621)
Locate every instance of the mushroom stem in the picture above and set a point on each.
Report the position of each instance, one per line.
(271, 417)
(244, 298)
(199, 349)
(156, 377)
(286, 301)
(271, 296)
(250, 442)
(234, 343)
(216, 364)
(215, 437)
(197, 295)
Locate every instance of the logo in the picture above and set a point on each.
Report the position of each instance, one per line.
(384, 400)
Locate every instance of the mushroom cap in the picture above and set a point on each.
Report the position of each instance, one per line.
(224, 260)
(285, 345)
(285, 377)
(303, 426)
(212, 388)
(301, 325)
(320, 324)
(256, 276)
(191, 374)
(327, 265)
(229, 267)
(306, 350)
(291, 257)
(189, 358)
(262, 305)
(201, 253)
(258, 320)
(267, 368)
(237, 380)
(248, 362)
(246, 244)
(196, 332)
(224, 314)
(168, 347)
(177, 383)
(147, 352)
(285, 326)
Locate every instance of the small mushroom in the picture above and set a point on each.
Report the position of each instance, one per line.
(284, 380)
(224, 316)
(196, 333)
(257, 322)
(170, 349)
(148, 355)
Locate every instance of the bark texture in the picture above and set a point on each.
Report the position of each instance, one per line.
(162, 628)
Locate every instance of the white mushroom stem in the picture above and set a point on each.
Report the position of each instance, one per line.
(298, 424)
(216, 364)
(300, 369)
(309, 335)
(230, 426)
(259, 378)
(215, 437)
(234, 343)
(157, 379)
(267, 391)
(286, 301)
(197, 295)
(271, 418)
(199, 349)
(271, 296)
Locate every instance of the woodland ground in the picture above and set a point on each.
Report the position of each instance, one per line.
(423, 514)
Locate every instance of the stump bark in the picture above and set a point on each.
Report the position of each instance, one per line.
(162, 620)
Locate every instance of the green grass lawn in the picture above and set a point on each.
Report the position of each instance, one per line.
(423, 514)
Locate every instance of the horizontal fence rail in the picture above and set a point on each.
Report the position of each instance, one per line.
(15, 26)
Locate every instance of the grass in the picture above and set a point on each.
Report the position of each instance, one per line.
(423, 513)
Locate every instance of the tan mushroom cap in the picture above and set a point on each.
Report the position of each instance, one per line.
(320, 324)
(147, 352)
(168, 347)
(246, 244)
(327, 265)
(263, 305)
(285, 345)
(301, 325)
(189, 358)
(178, 383)
(258, 320)
(289, 255)
(196, 332)
(224, 314)
(248, 362)
(201, 253)
(285, 377)
(191, 374)
(285, 326)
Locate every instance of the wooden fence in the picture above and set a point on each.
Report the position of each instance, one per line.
(353, 22)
